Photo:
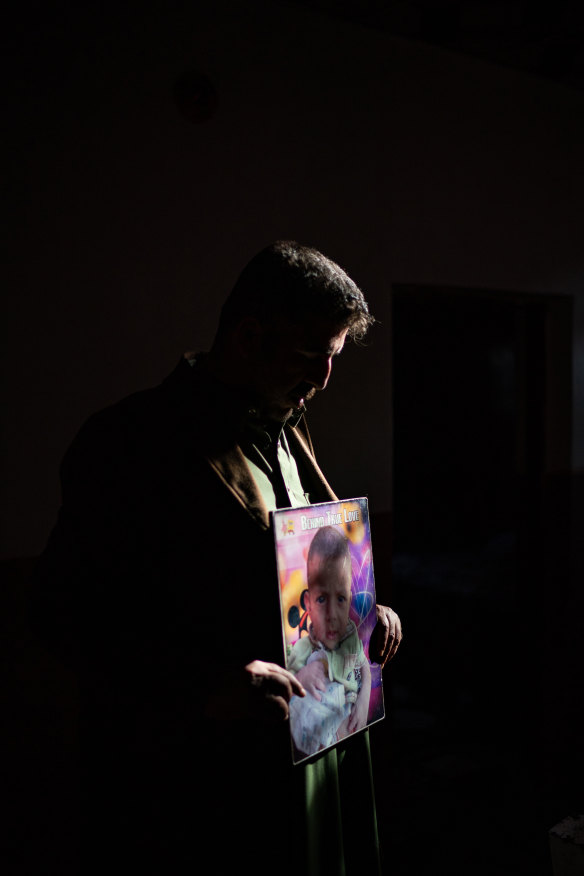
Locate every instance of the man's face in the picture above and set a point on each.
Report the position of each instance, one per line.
(329, 598)
(294, 363)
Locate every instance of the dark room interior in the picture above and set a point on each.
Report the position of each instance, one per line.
(434, 150)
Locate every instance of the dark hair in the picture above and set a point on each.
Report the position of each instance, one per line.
(328, 544)
(296, 283)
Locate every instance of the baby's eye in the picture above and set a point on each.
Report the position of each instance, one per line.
(320, 599)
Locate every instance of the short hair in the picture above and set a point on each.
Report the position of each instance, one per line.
(295, 283)
(328, 545)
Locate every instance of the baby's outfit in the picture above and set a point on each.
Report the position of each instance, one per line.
(314, 723)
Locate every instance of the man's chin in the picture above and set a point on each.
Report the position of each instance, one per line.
(284, 411)
(278, 413)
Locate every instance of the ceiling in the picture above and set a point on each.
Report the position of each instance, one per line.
(544, 38)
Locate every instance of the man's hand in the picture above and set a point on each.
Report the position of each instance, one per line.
(313, 678)
(260, 691)
(270, 688)
(386, 635)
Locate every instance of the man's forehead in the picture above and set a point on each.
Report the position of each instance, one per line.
(317, 337)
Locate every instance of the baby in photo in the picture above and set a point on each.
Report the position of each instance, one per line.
(330, 661)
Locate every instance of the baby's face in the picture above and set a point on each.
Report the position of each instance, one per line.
(328, 599)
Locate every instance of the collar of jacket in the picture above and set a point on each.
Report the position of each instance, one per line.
(220, 418)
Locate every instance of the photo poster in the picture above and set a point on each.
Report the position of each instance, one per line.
(327, 621)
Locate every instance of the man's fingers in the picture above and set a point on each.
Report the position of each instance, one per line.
(388, 634)
(384, 630)
(395, 639)
(296, 687)
(283, 683)
(280, 706)
(274, 684)
(397, 636)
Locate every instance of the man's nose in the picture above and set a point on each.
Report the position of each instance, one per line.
(320, 372)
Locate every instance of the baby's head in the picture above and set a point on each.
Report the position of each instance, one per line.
(328, 599)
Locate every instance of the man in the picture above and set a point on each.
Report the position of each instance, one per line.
(159, 583)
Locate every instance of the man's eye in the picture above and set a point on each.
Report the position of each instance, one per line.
(305, 355)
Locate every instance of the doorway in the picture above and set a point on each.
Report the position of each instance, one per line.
(482, 446)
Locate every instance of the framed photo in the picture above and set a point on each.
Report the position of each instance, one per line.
(327, 601)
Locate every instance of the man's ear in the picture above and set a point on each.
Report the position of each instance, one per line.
(248, 336)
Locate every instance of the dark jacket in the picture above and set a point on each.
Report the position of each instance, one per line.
(158, 583)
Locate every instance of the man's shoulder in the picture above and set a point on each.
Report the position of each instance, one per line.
(176, 393)
(142, 418)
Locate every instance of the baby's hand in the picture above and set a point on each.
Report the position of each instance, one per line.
(312, 678)
(358, 716)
